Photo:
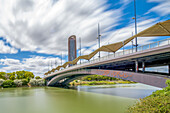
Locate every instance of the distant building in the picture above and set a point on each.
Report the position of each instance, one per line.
(72, 51)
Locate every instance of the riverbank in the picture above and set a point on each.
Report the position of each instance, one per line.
(157, 102)
(106, 82)
(21, 83)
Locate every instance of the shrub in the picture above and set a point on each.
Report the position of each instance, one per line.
(158, 102)
(24, 82)
(8, 83)
(33, 82)
(93, 83)
(37, 77)
(38, 82)
(168, 82)
(28, 79)
(18, 82)
(1, 81)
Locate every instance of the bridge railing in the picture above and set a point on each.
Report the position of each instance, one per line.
(130, 51)
(126, 52)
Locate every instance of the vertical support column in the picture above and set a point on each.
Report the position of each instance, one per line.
(136, 66)
(143, 66)
(169, 68)
(123, 48)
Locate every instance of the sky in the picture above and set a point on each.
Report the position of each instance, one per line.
(34, 33)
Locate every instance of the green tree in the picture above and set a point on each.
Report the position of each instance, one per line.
(24, 82)
(8, 83)
(37, 77)
(11, 76)
(20, 74)
(2, 76)
(29, 74)
(24, 74)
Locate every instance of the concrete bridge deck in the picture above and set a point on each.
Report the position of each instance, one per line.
(122, 66)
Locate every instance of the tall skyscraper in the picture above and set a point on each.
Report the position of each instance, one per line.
(72, 51)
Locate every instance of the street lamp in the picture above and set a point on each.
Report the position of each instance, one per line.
(80, 48)
(61, 58)
(99, 37)
(135, 25)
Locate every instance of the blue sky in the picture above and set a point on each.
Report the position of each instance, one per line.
(34, 33)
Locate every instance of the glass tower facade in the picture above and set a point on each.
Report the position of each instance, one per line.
(72, 51)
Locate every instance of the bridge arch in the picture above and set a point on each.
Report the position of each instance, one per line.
(70, 76)
(149, 79)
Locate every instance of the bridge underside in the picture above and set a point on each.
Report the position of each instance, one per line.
(125, 67)
(149, 79)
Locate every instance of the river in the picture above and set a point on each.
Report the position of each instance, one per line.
(86, 99)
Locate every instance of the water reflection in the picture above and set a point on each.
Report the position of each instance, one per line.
(58, 100)
(124, 90)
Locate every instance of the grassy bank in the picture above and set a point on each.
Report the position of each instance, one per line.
(80, 82)
(98, 80)
(157, 102)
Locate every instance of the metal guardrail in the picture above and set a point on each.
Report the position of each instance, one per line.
(130, 51)
(126, 52)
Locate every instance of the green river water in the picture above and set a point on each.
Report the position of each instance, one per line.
(87, 99)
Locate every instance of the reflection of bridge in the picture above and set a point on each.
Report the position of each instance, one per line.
(128, 62)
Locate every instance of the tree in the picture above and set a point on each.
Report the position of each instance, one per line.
(2, 76)
(24, 74)
(20, 74)
(11, 76)
(29, 74)
(24, 82)
(37, 77)
(8, 83)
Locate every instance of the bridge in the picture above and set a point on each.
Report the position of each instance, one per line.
(125, 64)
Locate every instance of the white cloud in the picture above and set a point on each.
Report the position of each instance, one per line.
(44, 26)
(123, 34)
(36, 64)
(162, 9)
(7, 49)
(8, 61)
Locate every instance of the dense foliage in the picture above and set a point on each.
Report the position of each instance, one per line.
(1, 81)
(97, 78)
(79, 82)
(18, 83)
(2, 75)
(37, 77)
(158, 102)
(8, 83)
(20, 78)
(16, 75)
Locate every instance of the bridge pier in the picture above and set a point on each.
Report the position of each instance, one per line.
(136, 66)
(169, 68)
(143, 66)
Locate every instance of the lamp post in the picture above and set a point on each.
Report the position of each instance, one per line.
(51, 65)
(48, 65)
(61, 59)
(132, 43)
(80, 48)
(135, 25)
(99, 37)
(55, 63)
